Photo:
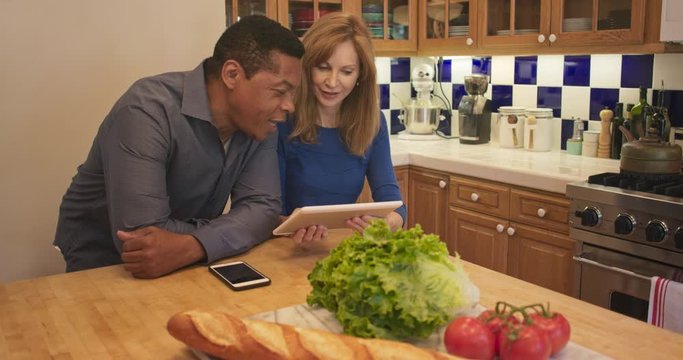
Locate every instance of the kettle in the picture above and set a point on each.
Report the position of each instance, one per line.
(649, 154)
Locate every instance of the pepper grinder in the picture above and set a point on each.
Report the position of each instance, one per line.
(605, 138)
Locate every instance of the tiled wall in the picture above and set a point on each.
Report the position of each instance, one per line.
(576, 86)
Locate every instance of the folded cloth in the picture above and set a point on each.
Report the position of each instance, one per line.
(666, 304)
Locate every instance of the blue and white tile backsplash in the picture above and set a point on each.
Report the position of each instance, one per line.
(574, 86)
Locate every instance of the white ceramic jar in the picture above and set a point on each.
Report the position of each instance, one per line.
(511, 126)
(538, 130)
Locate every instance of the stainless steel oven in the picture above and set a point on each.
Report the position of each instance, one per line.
(624, 237)
(614, 279)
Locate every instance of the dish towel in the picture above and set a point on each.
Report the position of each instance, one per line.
(666, 304)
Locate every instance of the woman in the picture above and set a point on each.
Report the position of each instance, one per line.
(338, 136)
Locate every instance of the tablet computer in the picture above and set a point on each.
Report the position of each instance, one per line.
(333, 216)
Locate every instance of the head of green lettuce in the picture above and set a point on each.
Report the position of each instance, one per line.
(393, 285)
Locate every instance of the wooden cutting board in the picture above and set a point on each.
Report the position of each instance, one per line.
(305, 316)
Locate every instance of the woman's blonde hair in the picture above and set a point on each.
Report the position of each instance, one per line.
(358, 118)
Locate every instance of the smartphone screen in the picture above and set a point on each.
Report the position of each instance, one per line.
(239, 275)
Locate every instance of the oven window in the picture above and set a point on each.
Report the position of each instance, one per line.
(628, 305)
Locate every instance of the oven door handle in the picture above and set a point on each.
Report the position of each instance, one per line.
(581, 259)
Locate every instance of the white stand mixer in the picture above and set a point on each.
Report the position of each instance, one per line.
(421, 116)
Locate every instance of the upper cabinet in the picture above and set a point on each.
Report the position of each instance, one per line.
(392, 24)
(235, 9)
(457, 30)
(299, 15)
(482, 27)
(561, 23)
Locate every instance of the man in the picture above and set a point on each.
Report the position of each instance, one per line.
(174, 148)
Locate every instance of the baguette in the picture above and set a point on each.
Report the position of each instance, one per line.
(228, 337)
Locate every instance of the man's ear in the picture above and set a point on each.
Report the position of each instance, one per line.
(231, 73)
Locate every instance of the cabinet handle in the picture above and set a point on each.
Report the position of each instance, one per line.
(500, 228)
(541, 38)
(469, 41)
(540, 212)
(442, 184)
(511, 231)
(552, 38)
(474, 197)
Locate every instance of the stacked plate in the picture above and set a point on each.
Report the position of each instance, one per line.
(460, 30)
(577, 24)
(526, 31)
(373, 15)
(518, 32)
(302, 18)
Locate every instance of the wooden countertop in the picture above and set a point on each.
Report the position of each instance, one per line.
(105, 313)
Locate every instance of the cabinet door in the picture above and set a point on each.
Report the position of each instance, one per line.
(595, 22)
(541, 257)
(478, 238)
(427, 192)
(402, 180)
(235, 9)
(392, 23)
(459, 31)
(299, 15)
(506, 23)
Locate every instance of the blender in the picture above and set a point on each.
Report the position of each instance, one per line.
(474, 111)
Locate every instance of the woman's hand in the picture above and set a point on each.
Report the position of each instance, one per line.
(312, 233)
(359, 223)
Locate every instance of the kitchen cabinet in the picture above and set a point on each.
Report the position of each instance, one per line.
(538, 24)
(512, 230)
(401, 178)
(235, 9)
(541, 257)
(483, 27)
(392, 24)
(428, 200)
(478, 240)
(299, 15)
(459, 33)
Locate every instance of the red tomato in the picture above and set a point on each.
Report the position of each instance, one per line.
(556, 327)
(522, 342)
(469, 337)
(496, 322)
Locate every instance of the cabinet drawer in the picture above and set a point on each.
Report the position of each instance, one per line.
(549, 212)
(487, 197)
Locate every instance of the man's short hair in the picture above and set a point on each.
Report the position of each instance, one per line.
(250, 42)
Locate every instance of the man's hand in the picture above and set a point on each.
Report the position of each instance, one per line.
(312, 233)
(151, 252)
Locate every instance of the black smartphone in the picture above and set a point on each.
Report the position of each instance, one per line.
(239, 275)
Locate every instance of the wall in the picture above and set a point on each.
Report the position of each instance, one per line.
(573, 86)
(63, 64)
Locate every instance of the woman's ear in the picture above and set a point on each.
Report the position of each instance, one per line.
(231, 73)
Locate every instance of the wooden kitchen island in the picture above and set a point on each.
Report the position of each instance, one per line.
(105, 313)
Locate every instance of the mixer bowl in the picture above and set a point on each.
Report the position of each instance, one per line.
(421, 120)
(476, 84)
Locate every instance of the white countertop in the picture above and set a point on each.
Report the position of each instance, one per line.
(549, 171)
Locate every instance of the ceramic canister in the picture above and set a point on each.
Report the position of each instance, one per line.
(538, 130)
(511, 126)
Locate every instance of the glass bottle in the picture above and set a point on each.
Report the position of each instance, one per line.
(617, 121)
(627, 122)
(638, 123)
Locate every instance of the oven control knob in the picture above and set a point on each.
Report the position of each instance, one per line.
(590, 216)
(624, 224)
(655, 231)
(678, 238)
